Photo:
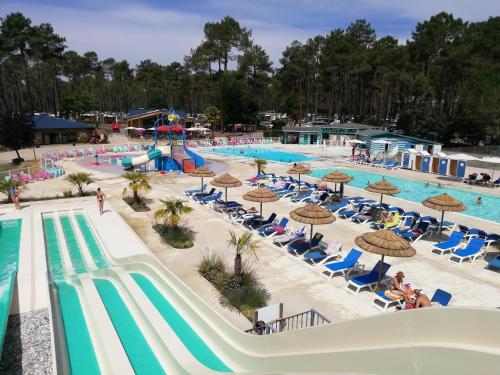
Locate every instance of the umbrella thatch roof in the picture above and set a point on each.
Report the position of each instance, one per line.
(337, 177)
(312, 214)
(299, 169)
(261, 195)
(383, 187)
(385, 242)
(226, 180)
(444, 202)
(202, 172)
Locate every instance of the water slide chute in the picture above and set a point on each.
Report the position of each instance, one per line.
(156, 153)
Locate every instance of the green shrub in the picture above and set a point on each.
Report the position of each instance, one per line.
(67, 193)
(211, 267)
(137, 207)
(178, 237)
(246, 299)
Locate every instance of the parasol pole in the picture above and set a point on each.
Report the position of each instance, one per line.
(261, 217)
(299, 183)
(201, 187)
(380, 273)
(441, 223)
(226, 196)
(381, 196)
(311, 238)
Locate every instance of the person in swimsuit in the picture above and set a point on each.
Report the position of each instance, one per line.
(100, 200)
(16, 197)
(421, 300)
(397, 286)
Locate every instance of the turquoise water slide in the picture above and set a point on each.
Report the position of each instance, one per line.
(10, 237)
(145, 158)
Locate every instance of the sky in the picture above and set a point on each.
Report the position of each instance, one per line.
(166, 31)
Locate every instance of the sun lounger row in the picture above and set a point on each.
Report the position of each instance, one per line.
(234, 141)
(378, 163)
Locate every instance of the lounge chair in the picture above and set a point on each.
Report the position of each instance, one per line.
(369, 280)
(284, 239)
(418, 232)
(203, 195)
(390, 224)
(195, 191)
(211, 198)
(301, 246)
(302, 196)
(273, 229)
(494, 262)
(441, 297)
(346, 214)
(406, 223)
(389, 164)
(385, 299)
(258, 223)
(450, 245)
(344, 266)
(331, 253)
(491, 239)
(338, 206)
(475, 233)
(286, 193)
(471, 252)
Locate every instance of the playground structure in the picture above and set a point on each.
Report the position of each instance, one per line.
(174, 155)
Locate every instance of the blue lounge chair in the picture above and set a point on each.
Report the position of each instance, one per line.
(338, 206)
(369, 280)
(494, 262)
(284, 188)
(301, 246)
(346, 214)
(491, 239)
(389, 164)
(416, 233)
(474, 232)
(302, 196)
(450, 245)
(406, 223)
(211, 198)
(442, 297)
(271, 229)
(284, 239)
(382, 302)
(331, 253)
(203, 195)
(471, 252)
(258, 223)
(286, 193)
(195, 191)
(344, 266)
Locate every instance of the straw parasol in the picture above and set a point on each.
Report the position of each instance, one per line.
(202, 172)
(444, 202)
(299, 169)
(261, 195)
(314, 215)
(386, 243)
(337, 178)
(225, 181)
(382, 187)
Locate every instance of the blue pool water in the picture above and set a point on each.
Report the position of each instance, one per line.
(262, 153)
(416, 191)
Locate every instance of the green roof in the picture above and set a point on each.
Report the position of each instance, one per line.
(374, 133)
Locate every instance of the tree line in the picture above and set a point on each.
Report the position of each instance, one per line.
(444, 82)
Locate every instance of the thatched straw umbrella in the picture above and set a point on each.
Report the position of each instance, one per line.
(314, 215)
(382, 187)
(299, 169)
(386, 243)
(225, 181)
(444, 202)
(337, 178)
(261, 195)
(202, 172)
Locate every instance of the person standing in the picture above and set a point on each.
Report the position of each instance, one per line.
(100, 200)
(16, 197)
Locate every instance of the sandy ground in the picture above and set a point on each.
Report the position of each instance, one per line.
(289, 279)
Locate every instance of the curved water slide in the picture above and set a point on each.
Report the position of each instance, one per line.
(156, 153)
(182, 334)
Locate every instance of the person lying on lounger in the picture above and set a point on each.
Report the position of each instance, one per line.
(397, 286)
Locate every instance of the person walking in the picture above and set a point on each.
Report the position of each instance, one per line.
(16, 197)
(100, 200)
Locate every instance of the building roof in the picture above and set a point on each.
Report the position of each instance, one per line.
(145, 112)
(50, 122)
(317, 128)
(375, 133)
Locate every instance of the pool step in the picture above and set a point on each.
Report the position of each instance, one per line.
(157, 328)
(110, 352)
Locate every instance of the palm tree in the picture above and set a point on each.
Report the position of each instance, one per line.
(242, 244)
(260, 164)
(171, 211)
(7, 187)
(137, 181)
(80, 179)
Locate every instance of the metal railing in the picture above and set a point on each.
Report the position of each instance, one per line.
(301, 320)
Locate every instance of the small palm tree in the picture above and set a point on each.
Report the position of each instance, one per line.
(171, 211)
(7, 187)
(137, 181)
(260, 164)
(242, 244)
(80, 179)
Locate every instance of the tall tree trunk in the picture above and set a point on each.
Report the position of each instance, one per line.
(237, 265)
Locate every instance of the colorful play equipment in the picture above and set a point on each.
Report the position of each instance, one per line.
(174, 155)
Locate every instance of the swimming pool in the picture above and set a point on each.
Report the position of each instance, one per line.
(262, 153)
(416, 191)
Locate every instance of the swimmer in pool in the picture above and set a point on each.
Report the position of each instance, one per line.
(440, 186)
(426, 184)
(479, 200)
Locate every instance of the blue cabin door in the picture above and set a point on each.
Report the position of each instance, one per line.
(426, 163)
(406, 160)
(443, 166)
(462, 164)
